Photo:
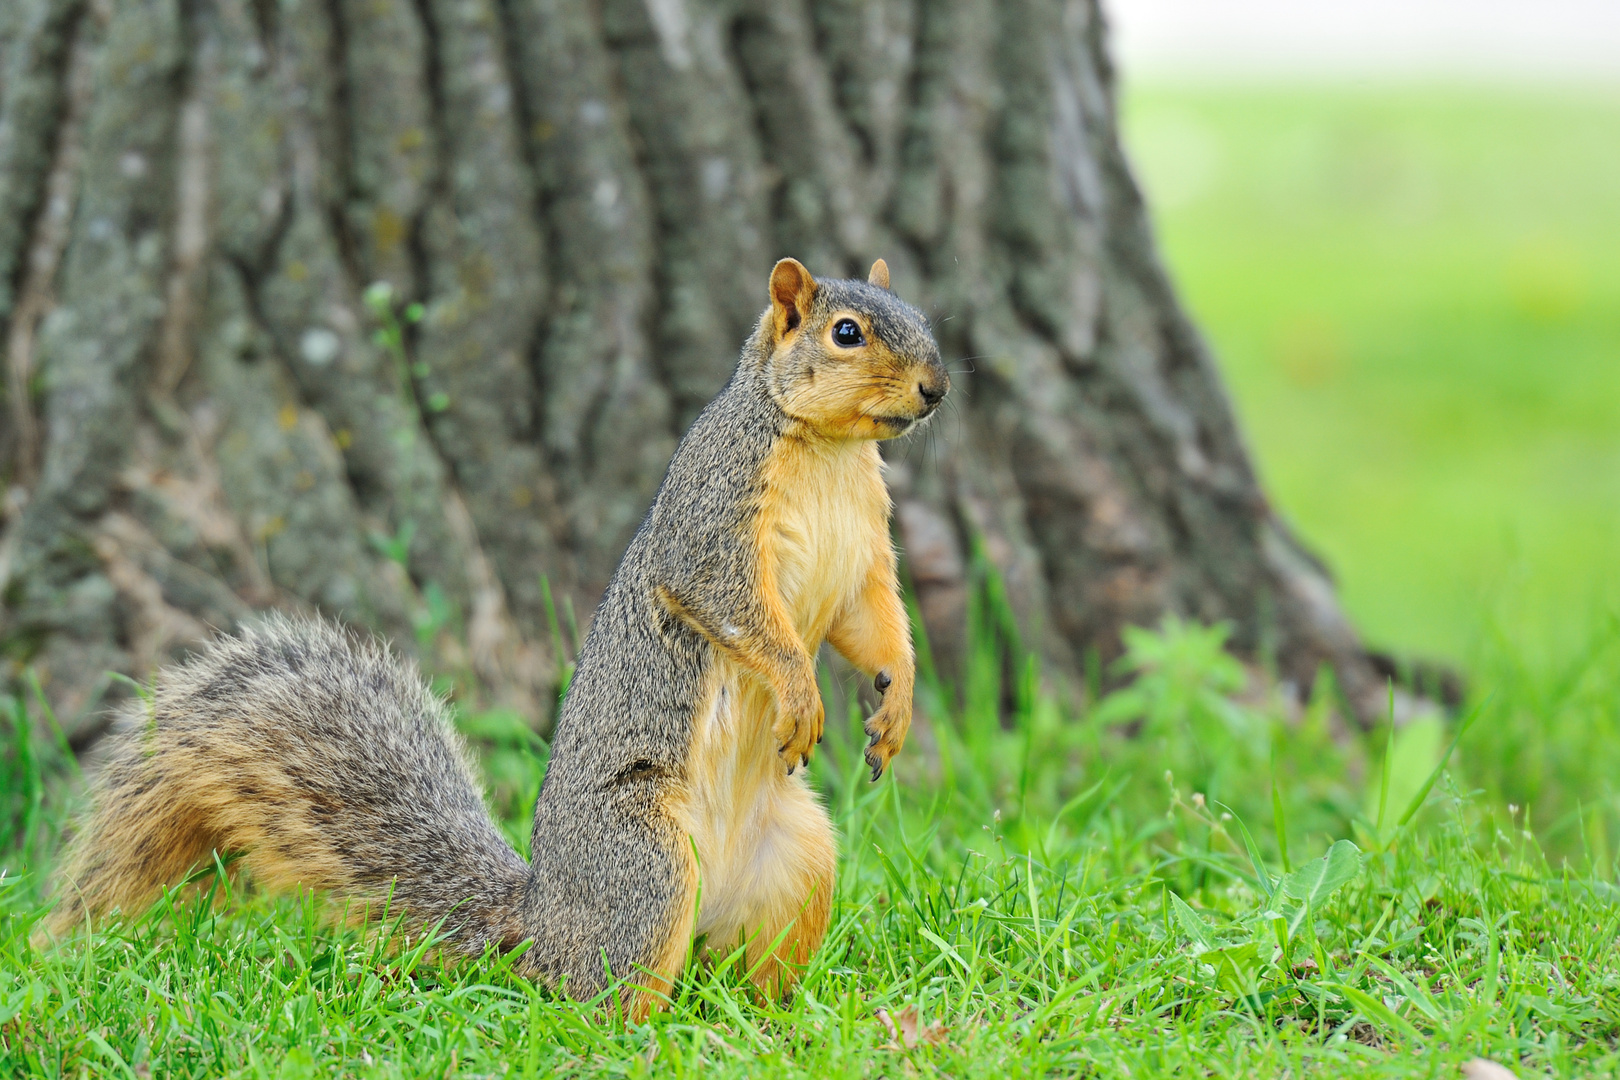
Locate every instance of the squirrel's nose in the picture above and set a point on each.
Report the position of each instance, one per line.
(932, 393)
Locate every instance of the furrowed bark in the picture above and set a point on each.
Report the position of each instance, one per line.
(212, 408)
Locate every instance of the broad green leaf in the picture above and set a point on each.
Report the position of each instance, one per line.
(1195, 927)
(1236, 966)
(1318, 879)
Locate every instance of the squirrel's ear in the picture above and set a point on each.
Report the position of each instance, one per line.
(879, 275)
(792, 290)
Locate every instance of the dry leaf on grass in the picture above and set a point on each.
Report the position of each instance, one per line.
(906, 1027)
(1482, 1069)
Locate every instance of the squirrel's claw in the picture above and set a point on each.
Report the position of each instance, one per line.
(886, 730)
(874, 756)
(799, 723)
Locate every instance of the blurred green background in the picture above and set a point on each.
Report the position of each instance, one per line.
(1414, 294)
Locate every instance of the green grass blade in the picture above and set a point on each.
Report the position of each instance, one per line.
(1423, 792)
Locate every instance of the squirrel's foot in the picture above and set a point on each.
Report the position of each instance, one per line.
(887, 731)
(799, 724)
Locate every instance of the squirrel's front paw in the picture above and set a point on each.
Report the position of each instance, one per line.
(799, 721)
(887, 730)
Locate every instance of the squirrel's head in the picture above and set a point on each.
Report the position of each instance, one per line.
(849, 359)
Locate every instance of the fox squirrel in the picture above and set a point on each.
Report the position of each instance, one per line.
(670, 810)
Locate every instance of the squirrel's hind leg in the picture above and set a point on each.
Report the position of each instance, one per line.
(614, 893)
(654, 983)
(780, 900)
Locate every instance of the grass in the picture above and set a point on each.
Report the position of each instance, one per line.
(1415, 297)
(1181, 879)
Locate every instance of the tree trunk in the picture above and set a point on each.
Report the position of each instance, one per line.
(209, 412)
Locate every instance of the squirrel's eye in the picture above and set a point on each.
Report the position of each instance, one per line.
(847, 332)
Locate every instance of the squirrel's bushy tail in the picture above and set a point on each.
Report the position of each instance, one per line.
(324, 762)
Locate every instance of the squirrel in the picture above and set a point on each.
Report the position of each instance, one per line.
(674, 807)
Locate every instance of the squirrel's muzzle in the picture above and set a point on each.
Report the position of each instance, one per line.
(930, 388)
(933, 383)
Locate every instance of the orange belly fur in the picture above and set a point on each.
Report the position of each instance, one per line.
(765, 845)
